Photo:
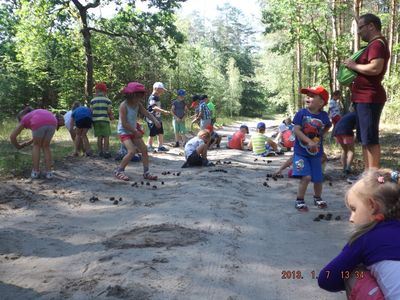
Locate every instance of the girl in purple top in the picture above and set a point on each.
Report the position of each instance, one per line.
(43, 125)
(369, 265)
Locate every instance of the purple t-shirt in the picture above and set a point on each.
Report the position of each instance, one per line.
(312, 125)
(380, 243)
(38, 118)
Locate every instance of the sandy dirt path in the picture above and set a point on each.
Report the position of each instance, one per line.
(199, 235)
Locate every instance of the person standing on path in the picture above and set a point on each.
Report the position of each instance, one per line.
(367, 92)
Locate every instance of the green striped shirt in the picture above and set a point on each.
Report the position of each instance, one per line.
(258, 142)
(99, 106)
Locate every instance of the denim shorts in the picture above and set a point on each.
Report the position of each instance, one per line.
(308, 166)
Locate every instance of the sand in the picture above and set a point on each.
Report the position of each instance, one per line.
(199, 235)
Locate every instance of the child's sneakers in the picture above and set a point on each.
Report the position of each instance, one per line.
(319, 202)
(300, 205)
(49, 175)
(35, 174)
(162, 149)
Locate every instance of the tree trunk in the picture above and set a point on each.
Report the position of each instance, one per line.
(393, 18)
(356, 10)
(87, 44)
(334, 45)
(299, 73)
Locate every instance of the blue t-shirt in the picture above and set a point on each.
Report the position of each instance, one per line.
(380, 243)
(81, 112)
(346, 125)
(312, 125)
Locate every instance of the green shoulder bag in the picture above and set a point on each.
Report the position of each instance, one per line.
(346, 76)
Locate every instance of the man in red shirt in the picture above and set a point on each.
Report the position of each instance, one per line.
(367, 92)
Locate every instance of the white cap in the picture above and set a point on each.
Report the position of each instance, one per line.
(159, 85)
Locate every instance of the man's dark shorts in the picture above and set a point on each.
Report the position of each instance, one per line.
(154, 130)
(84, 123)
(368, 117)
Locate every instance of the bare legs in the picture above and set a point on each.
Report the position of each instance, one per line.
(372, 156)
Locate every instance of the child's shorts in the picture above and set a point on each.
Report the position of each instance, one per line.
(154, 130)
(308, 166)
(101, 128)
(179, 127)
(366, 288)
(84, 123)
(344, 139)
(194, 159)
(125, 137)
(44, 132)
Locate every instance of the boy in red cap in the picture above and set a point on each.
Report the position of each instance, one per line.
(101, 116)
(310, 125)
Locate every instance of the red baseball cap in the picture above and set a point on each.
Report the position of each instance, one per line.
(318, 90)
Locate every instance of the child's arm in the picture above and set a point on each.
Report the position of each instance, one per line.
(110, 113)
(144, 112)
(71, 123)
(159, 109)
(13, 137)
(250, 145)
(272, 144)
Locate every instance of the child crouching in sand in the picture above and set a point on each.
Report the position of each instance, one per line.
(134, 94)
(196, 150)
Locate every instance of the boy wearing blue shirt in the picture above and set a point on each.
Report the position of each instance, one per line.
(310, 125)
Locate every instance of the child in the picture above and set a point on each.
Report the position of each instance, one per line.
(211, 107)
(344, 135)
(310, 125)
(374, 202)
(154, 107)
(261, 144)
(196, 150)
(43, 125)
(179, 110)
(238, 138)
(127, 130)
(102, 114)
(203, 115)
(72, 130)
(195, 106)
(286, 136)
(334, 107)
(82, 119)
(215, 138)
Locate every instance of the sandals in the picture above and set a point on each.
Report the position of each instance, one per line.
(121, 175)
(148, 176)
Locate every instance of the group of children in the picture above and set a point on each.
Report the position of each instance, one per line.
(368, 266)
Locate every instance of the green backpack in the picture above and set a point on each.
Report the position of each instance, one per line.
(346, 76)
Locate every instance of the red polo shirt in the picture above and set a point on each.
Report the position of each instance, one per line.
(369, 89)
